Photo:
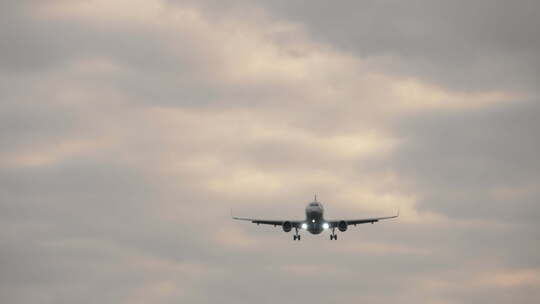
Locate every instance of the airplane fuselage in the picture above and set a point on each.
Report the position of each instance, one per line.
(314, 218)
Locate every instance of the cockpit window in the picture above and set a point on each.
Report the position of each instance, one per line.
(314, 204)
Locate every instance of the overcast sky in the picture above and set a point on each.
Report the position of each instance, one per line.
(129, 129)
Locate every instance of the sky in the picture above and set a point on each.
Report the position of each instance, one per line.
(130, 129)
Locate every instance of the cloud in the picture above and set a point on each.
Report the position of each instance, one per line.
(462, 45)
(131, 129)
(477, 161)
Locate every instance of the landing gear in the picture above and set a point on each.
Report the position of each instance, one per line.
(333, 236)
(296, 237)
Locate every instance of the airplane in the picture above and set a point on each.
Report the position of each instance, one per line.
(314, 222)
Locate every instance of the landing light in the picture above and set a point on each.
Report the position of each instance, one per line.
(325, 226)
(304, 226)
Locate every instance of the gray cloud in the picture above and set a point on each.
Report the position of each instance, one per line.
(482, 162)
(460, 44)
(130, 130)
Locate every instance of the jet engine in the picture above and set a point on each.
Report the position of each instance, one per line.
(342, 226)
(287, 226)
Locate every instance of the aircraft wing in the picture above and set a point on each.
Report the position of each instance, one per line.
(361, 221)
(294, 224)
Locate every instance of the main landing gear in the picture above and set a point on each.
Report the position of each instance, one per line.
(333, 236)
(296, 237)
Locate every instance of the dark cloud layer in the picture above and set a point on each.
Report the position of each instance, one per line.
(130, 128)
(469, 45)
(483, 162)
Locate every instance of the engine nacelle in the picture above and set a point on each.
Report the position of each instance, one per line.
(287, 226)
(342, 226)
